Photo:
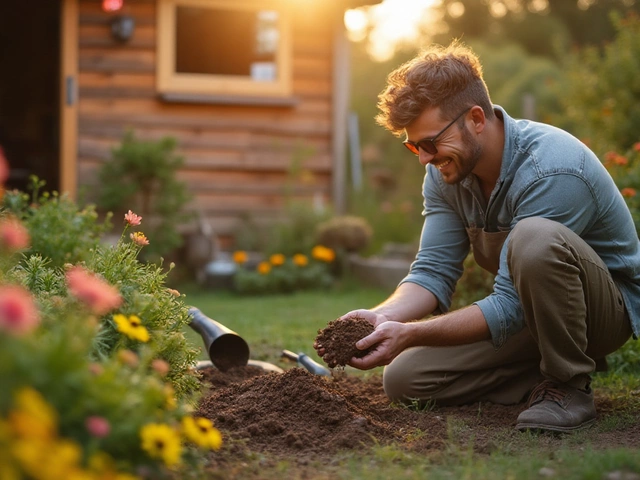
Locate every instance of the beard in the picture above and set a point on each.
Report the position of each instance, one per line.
(467, 159)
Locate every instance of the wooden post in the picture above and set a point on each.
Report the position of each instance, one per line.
(341, 75)
(69, 97)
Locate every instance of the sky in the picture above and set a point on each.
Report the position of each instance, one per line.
(391, 21)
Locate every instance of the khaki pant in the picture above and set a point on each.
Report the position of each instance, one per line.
(574, 315)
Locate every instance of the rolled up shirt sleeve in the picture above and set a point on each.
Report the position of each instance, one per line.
(444, 244)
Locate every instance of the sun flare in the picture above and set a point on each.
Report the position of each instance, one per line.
(387, 24)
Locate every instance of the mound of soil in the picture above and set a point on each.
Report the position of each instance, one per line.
(305, 417)
(339, 339)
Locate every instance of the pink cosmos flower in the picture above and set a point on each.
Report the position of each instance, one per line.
(132, 219)
(18, 312)
(94, 292)
(98, 427)
(160, 366)
(139, 238)
(13, 234)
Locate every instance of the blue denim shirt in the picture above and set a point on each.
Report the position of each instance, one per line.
(545, 172)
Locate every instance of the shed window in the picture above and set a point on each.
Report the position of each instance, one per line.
(223, 47)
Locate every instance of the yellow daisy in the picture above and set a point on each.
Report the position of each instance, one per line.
(161, 441)
(201, 431)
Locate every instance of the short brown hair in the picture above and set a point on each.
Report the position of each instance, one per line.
(446, 77)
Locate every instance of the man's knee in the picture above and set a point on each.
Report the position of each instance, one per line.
(406, 380)
(531, 241)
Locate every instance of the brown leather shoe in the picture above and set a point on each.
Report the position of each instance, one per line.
(558, 407)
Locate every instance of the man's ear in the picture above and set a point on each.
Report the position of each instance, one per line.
(478, 118)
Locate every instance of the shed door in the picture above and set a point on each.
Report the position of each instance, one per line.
(30, 90)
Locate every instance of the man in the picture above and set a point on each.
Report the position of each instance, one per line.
(538, 209)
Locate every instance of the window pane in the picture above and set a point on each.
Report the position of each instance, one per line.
(218, 41)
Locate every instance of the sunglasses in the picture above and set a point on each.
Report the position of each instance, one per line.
(429, 144)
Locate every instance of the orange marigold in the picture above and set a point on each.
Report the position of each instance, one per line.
(264, 268)
(300, 260)
(277, 259)
(628, 192)
(240, 256)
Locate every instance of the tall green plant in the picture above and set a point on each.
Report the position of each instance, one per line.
(141, 176)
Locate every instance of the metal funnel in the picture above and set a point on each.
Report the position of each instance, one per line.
(225, 348)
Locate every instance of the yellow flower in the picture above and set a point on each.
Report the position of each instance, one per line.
(322, 253)
(161, 441)
(132, 327)
(201, 431)
(33, 416)
(49, 460)
(277, 259)
(8, 470)
(240, 256)
(264, 268)
(300, 260)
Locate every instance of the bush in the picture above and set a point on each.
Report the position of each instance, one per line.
(625, 170)
(60, 230)
(95, 378)
(142, 176)
(346, 233)
(601, 92)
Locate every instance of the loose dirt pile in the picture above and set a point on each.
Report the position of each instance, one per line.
(339, 339)
(302, 416)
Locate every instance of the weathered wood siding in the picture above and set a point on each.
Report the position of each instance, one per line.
(237, 157)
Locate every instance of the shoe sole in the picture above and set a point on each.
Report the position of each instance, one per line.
(552, 428)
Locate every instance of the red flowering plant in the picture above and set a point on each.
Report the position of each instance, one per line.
(625, 170)
(96, 377)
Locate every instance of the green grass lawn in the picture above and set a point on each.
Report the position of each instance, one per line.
(272, 323)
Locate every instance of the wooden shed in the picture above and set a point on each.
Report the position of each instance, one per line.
(250, 89)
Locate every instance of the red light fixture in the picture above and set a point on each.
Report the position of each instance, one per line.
(112, 5)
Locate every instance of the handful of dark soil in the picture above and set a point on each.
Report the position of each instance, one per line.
(339, 339)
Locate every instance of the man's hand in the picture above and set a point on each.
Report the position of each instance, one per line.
(389, 338)
(373, 318)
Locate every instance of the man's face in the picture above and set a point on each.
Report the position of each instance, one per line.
(458, 150)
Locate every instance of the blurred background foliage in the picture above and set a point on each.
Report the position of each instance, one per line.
(571, 63)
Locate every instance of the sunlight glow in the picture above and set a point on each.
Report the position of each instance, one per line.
(387, 24)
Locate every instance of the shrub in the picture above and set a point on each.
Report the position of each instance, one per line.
(94, 373)
(346, 233)
(625, 170)
(142, 176)
(601, 92)
(60, 230)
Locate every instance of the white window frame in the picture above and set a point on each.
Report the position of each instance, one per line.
(171, 82)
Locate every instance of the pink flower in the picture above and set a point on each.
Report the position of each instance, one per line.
(13, 234)
(132, 219)
(139, 238)
(98, 427)
(18, 312)
(4, 167)
(160, 366)
(97, 294)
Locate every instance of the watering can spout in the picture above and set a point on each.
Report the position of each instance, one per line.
(225, 348)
